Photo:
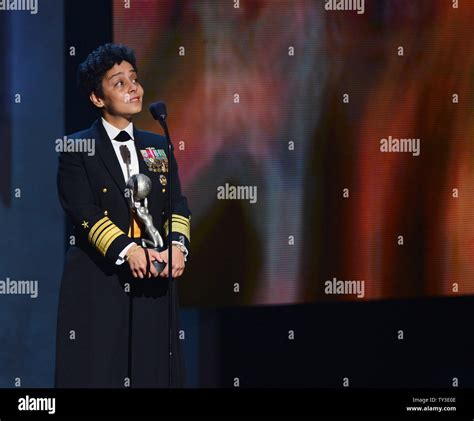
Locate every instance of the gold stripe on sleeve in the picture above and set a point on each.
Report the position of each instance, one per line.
(110, 240)
(100, 231)
(105, 240)
(96, 226)
(180, 224)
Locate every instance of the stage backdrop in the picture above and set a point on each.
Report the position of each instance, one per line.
(326, 154)
(32, 221)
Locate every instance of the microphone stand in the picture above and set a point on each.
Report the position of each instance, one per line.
(170, 254)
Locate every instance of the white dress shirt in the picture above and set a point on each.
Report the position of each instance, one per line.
(134, 167)
(112, 131)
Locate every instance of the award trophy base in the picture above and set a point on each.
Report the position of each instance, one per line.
(159, 266)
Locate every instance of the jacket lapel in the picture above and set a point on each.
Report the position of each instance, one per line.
(107, 155)
(139, 144)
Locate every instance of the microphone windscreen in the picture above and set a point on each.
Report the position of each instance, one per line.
(158, 111)
(125, 153)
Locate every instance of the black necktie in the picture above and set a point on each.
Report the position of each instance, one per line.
(123, 136)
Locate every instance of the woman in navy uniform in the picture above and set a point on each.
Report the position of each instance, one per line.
(113, 316)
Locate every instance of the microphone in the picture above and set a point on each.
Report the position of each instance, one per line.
(158, 111)
(125, 152)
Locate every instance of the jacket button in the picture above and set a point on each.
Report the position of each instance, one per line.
(104, 190)
(163, 191)
(106, 213)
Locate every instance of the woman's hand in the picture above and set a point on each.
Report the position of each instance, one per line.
(137, 261)
(178, 262)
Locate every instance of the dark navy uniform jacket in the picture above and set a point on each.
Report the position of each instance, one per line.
(91, 190)
(113, 329)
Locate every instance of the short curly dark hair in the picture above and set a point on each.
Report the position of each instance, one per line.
(99, 62)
